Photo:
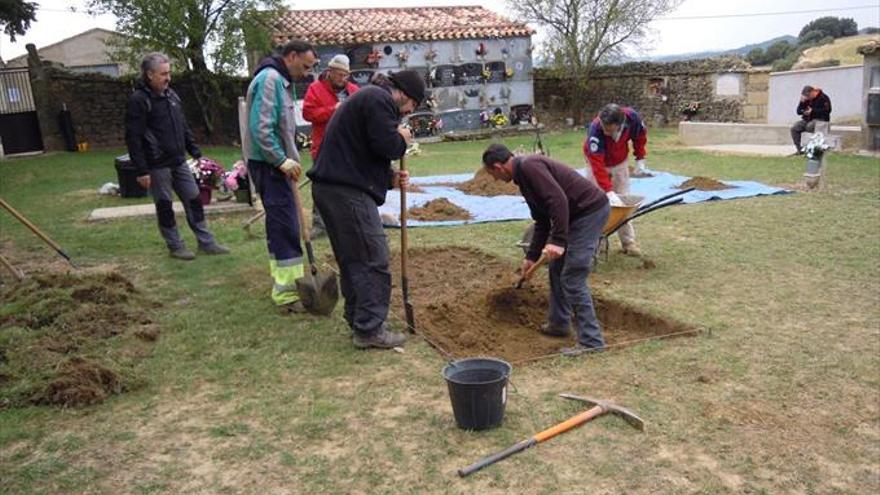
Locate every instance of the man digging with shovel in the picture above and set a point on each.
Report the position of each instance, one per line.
(350, 179)
(569, 213)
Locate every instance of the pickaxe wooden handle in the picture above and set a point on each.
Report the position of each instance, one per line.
(528, 274)
(600, 407)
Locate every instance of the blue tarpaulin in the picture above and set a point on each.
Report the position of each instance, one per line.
(501, 208)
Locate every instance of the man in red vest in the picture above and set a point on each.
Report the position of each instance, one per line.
(606, 151)
(322, 99)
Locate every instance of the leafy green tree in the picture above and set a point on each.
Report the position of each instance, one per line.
(16, 17)
(190, 31)
(830, 26)
(778, 50)
(756, 56)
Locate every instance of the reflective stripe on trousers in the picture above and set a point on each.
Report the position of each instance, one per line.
(284, 274)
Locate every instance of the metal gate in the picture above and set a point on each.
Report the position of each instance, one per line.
(19, 126)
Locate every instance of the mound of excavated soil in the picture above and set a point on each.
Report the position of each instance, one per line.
(439, 209)
(465, 303)
(484, 184)
(704, 184)
(70, 339)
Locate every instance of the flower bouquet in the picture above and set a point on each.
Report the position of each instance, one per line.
(236, 181)
(208, 175)
(814, 150)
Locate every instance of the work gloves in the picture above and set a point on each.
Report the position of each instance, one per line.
(614, 199)
(291, 169)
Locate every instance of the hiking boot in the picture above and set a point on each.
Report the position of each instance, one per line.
(213, 249)
(182, 253)
(553, 330)
(294, 308)
(797, 153)
(383, 339)
(579, 349)
(632, 249)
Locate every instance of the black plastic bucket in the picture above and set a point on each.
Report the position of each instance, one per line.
(478, 391)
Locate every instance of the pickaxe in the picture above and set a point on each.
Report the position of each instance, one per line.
(599, 408)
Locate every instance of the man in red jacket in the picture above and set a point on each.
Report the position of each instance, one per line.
(606, 150)
(322, 99)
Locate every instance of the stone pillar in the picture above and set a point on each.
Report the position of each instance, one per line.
(871, 97)
(47, 114)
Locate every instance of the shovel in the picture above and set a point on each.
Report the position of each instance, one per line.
(318, 291)
(404, 281)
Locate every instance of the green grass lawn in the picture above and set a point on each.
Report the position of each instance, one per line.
(779, 394)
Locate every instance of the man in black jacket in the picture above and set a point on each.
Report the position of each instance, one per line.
(570, 213)
(158, 139)
(349, 180)
(815, 106)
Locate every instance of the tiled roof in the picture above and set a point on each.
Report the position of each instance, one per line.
(387, 25)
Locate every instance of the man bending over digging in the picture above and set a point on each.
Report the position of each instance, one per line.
(569, 213)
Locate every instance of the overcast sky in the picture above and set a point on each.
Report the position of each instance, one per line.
(679, 32)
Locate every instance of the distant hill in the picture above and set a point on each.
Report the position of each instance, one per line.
(843, 50)
(743, 51)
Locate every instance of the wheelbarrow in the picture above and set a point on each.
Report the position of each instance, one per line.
(619, 216)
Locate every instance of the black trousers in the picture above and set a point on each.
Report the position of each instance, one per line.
(361, 249)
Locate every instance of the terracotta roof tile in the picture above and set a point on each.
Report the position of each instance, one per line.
(384, 25)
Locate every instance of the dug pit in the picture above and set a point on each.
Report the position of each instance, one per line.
(465, 304)
(440, 209)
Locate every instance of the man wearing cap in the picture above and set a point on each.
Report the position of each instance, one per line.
(349, 181)
(322, 99)
(815, 106)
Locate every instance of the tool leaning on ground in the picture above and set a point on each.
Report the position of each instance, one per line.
(404, 280)
(33, 228)
(599, 408)
(318, 291)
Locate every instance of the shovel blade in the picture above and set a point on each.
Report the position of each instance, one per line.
(318, 292)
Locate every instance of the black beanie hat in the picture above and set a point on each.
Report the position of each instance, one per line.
(411, 83)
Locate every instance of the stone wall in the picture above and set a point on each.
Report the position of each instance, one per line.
(727, 89)
(97, 106)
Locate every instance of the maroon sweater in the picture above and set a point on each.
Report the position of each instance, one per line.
(557, 195)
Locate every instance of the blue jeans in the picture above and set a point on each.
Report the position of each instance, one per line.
(570, 298)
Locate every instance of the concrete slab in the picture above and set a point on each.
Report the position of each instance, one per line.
(748, 149)
(712, 133)
(149, 210)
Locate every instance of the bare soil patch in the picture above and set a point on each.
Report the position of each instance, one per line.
(439, 209)
(484, 184)
(71, 339)
(704, 184)
(465, 303)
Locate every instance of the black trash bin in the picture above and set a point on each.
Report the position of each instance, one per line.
(127, 175)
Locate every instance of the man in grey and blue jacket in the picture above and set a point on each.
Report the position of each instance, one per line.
(274, 163)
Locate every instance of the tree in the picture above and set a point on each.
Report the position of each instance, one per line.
(830, 26)
(190, 31)
(778, 50)
(583, 33)
(756, 56)
(16, 17)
